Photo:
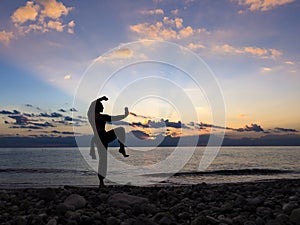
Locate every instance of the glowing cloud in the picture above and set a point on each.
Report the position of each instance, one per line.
(263, 5)
(25, 13)
(54, 9)
(194, 46)
(55, 25)
(6, 37)
(67, 77)
(254, 51)
(153, 12)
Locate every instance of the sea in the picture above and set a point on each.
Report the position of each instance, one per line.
(58, 167)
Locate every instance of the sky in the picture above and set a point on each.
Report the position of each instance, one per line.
(58, 56)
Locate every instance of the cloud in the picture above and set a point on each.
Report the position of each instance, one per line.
(73, 110)
(20, 119)
(117, 54)
(67, 76)
(25, 13)
(53, 9)
(64, 132)
(41, 15)
(289, 62)
(177, 22)
(263, 5)
(186, 32)
(62, 110)
(71, 26)
(6, 37)
(252, 127)
(153, 12)
(266, 69)
(52, 115)
(140, 134)
(250, 50)
(55, 25)
(7, 112)
(280, 129)
(196, 46)
(175, 12)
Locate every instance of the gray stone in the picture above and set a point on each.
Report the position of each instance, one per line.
(125, 201)
(288, 207)
(249, 223)
(47, 194)
(295, 216)
(112, 221)
(52, 222)
(62, 208)
(255, 201)
(75, 200)
(20, 221)
(282, 218)
(165, 220)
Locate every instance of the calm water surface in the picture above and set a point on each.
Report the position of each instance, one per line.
(33, 167)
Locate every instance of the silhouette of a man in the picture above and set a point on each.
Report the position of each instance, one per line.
(102, 137)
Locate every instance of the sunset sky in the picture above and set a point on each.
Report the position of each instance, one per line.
(251, 46)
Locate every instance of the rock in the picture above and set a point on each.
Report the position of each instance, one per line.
(200, 220)
(255, 201)
(112, 221)
(282, 218)
(224, 220)
(165, 220)
(239, 219)
(259, 221)
(293, 198)
(52, 222)
(212, 220)
(295, 216)
(20, 221)
(288, 207)
(62, 208)
(184, 215)
(47, 194)
(162, 217)
(226, 207)
(125, 201)
(75, 200)
(249, 223)
(264, 212)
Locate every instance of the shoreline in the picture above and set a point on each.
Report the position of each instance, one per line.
(260, 202)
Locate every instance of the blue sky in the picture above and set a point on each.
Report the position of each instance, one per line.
(251, 46)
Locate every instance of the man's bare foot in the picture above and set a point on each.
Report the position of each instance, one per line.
(101, 185)
(122, 151)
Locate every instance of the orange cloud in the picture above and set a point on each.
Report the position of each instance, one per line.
(263, 5)
(193, 46)
(25, 13)
(186, 32)
(55, 25)
(255, 51)
(289, 62)
(6, 37)
(54, 9)
(44, 16)
(153, 12)
(266, 69)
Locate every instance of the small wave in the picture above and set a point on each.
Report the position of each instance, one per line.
(46, 170)
(255, 171)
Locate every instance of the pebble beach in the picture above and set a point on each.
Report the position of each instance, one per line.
(264, 202)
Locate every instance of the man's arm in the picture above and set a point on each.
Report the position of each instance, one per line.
(118, 117)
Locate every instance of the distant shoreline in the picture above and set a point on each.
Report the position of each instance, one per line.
(70, 141)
